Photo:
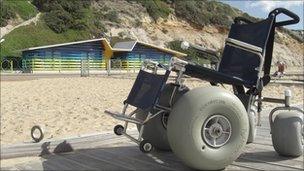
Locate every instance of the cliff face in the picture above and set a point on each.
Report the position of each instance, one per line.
(137, 24)
(159, 22)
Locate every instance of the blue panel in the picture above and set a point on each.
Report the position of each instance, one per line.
(141, 52)
(91, 50)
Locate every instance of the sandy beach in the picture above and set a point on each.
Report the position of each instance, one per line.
(75, 106)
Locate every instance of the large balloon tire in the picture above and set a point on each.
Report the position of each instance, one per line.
(287, 133)
(190, 114)
(155, 130)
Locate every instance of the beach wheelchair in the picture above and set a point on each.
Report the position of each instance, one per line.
(208, 127)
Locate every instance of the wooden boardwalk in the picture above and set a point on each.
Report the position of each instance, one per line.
(110, 152)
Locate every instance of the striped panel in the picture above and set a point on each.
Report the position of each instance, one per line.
(57, 64)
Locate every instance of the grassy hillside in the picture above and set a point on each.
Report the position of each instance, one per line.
(23, 8)
(41, 34)
(37, 35)
(11, 9)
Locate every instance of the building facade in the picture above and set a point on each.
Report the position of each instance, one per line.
(68, 56)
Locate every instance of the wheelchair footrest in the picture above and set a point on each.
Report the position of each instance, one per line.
(122, 117)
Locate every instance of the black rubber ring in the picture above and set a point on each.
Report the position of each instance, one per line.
(41, 133)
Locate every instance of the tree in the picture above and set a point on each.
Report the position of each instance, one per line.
(58, 20)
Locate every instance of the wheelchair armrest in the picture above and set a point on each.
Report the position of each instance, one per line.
(243, 45)
(249, 48)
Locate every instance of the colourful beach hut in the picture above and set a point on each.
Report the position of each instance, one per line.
(68, 56)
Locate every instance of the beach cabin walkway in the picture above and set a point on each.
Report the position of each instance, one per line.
(110, 152)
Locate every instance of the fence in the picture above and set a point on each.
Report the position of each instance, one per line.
(60, 64)
(10, 65)
(75, 65)
(32, 65)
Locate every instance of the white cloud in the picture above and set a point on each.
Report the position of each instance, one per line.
(270, 5)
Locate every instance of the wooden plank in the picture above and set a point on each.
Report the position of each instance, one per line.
(9, 168)
(31, 149)
(91, 162)
(118, 153)
(131, 156)
(57, 162)
(260, 165)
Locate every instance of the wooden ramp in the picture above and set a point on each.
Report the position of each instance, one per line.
(110, 152)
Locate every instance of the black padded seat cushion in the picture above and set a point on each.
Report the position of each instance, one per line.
(215, 76)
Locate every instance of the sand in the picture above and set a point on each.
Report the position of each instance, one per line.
(74, 106)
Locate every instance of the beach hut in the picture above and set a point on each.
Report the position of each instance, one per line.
(67, 56)
(132, 53)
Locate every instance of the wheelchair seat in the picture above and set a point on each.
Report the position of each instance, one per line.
(215, 76)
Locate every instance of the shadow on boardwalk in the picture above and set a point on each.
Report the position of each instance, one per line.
(129, 157)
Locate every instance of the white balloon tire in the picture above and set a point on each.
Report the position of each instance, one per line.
(185, 124)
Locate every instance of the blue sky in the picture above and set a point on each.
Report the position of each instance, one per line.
(261, 8)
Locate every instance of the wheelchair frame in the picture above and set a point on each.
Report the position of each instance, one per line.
(128, 118)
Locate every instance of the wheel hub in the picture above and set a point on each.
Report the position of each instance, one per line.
(216, 131)
(147, 147)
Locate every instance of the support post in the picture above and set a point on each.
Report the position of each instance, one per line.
(11, 66)
(109, 66)
(84, 71)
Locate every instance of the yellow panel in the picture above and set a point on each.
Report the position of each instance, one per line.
(108, 53)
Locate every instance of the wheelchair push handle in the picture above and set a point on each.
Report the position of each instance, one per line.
(295, 18)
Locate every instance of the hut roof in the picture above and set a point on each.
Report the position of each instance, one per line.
(65, 44)
(129, 45)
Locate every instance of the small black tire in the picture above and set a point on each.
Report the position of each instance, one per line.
(165, 96)
(118, 129)
(198, 137)
(145, 146)
(41, 133)
(287, 133)
(155, 130)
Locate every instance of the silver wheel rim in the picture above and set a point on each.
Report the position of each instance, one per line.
(147, 147)
(216, 131)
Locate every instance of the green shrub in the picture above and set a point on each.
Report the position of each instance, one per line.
(112, 16)
(79, 25)
(138, 23)
(100, 26)
(156, 8)
(61, 15)
(6, 13)
(192, 55)
(207, 12)
(22, 7)
(58, 20)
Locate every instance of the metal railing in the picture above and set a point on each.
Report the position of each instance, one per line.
(84, 66)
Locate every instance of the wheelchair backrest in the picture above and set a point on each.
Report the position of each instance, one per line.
(146, 89)
(240, 63)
